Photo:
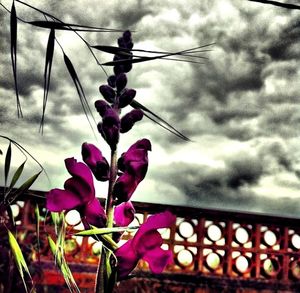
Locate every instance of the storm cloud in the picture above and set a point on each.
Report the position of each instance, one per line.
(240, 107)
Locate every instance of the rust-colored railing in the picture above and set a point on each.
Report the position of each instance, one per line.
(258, 250)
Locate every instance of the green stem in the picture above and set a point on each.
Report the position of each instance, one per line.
(101, 277)
(109, 208)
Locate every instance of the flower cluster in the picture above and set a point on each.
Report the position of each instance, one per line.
(116, 97)
(130, 169)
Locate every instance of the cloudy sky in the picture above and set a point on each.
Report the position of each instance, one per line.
(240, 108)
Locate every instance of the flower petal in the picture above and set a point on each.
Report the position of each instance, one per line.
(124, 187)
(146, 245)
(158, 259)
(154, 222)
(79, 190)
(127, 259)
(124, 214)
(94, 214)
(58, 200)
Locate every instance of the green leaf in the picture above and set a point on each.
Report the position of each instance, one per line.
(17, 175)
(7, 163)
(19, 258)
(47, 73)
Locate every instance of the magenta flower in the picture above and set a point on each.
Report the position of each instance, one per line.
(124, 214)
(92, 156)
(78, 193)
(134, 164)
(146, 245)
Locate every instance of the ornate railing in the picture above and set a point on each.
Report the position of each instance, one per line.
(212, 249)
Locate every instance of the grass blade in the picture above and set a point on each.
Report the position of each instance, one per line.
(101, 231)
(80, 91)
(38, 219)
(13, 51)
(7, 163)
(47, 73)
(113, 50)
(138, 59)
(70, 26)
(279, 4)
(124, 52)
(163, 123)
(17, 175)
(131, 61)
(63, 266)
(24, 187)
(19, 258)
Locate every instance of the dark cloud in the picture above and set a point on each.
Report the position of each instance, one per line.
(285, 46)
(226, 188)
(245, 96)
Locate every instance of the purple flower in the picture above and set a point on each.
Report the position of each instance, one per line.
(92, 156)
(78, 193)
(110, 127)
(124, 214)
(134, 164)
(146, 245)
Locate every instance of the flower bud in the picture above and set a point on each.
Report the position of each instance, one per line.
(108, 93)
(121, 42)
(118, 69)
(126, 98)
(134, 164)
(101, 107)
(110, 127)
(92, 156)
(121, 81)
(130, 119)
(112, 81)
(127, 39)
